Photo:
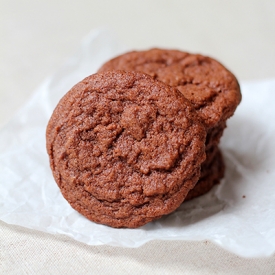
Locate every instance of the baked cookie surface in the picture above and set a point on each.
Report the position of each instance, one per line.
(124, 148)
(211, 175)
(212, 89)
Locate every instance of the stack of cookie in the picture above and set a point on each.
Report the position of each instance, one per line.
(209, 86)
(129, 144)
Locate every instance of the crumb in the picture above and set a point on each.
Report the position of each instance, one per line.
(244, 196)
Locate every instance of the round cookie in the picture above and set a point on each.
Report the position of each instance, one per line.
(124, 148)
(212, 89)
(215, 172)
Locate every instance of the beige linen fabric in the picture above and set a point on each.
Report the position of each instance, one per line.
(26, 251)
(38, 36)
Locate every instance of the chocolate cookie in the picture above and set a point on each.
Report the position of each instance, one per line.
(212, 176)
(124, 148)
(212, 89)
(214, 135)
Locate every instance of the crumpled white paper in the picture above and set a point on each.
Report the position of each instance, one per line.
(238, 215)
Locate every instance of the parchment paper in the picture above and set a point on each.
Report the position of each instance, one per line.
(239, 214)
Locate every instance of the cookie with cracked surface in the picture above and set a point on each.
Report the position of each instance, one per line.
(213, 90)
(211, 177)
(125, 149)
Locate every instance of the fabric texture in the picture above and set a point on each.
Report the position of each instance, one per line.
(26, 251)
